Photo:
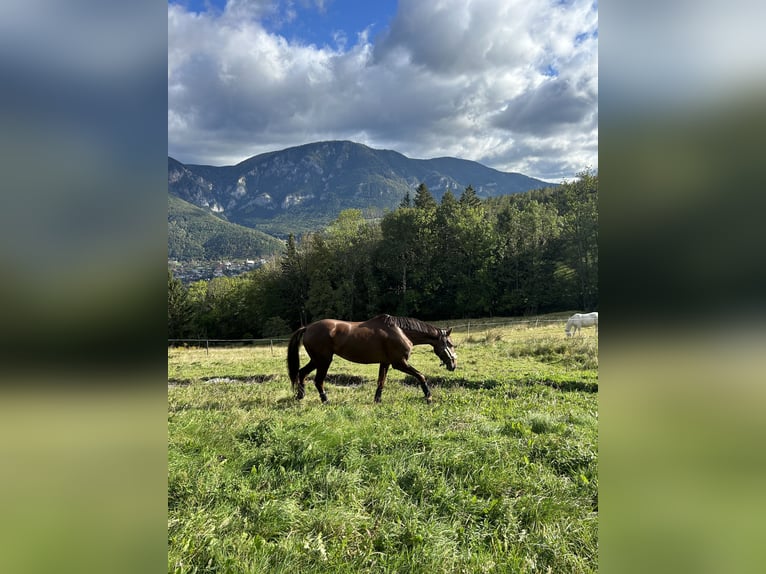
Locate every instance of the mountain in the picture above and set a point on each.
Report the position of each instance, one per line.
(193, 233)
(305, 187)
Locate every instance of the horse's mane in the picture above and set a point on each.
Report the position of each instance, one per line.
(411, 325)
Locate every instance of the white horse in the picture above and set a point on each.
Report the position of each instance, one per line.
(581, 320)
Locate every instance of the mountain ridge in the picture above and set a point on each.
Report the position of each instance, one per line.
(309, 185)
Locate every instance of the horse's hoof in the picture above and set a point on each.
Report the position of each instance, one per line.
(429, 400)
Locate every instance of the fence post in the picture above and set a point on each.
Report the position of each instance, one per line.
(207, 346)
(271, 346)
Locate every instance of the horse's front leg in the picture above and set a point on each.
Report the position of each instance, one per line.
(382, 372)
(405, 367)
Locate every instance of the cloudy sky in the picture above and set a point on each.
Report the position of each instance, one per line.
(512, 84)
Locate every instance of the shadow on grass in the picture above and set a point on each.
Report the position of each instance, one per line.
(180, 382)
(459, 382)
(345, 380)
(579, 386)
(453, 382)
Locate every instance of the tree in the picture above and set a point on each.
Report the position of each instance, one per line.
(462, 248)
(322, 301)
(396, 256)
(469, 198)
(180, 313)
(449, 203)
(406, 201)
(196, 295)
(294, 282)
(580, 235)
(275, 327)
(225, 308)
(351, 241)
(262, 299)
(423, 199)
(525, 253)
(527, 231)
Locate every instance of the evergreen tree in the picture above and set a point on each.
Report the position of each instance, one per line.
(446, 263)
(322, 301)
(423, 198)
(528, 230)
(406, 201)
(397, 255)
(294, 283)
(473, 235)
(469, 198)
(448, 205)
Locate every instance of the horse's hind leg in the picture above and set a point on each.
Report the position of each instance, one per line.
(302, 373)
(410, 370)
(382, 372)
(319, 379)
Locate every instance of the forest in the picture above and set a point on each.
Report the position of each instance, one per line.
(462, 257)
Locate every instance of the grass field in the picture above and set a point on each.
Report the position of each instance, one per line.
(499, 474)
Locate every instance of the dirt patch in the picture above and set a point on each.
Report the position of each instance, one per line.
(345, 380)
(239, 379)
(254, 379)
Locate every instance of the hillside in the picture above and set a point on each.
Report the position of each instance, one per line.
(194, 233)
(306, 187)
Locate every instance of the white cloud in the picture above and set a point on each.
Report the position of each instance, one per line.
(512, 84)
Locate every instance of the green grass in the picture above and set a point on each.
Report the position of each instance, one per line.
(499, 474)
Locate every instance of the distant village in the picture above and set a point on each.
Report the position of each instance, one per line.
(190, 271)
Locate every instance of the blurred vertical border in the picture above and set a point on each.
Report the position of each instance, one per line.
(683, 283)
(83, 149)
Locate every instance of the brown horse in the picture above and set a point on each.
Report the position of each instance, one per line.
(383, 339)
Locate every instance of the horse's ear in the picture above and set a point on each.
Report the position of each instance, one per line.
(449, 331)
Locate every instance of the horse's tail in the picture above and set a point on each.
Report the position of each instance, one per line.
(293, 359)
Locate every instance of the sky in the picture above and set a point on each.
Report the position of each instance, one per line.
(512, 84)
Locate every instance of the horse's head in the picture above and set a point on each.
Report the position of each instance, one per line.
(445, 349)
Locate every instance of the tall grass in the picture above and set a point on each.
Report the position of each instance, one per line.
(498, 475)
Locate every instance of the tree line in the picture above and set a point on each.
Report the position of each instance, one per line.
(462, 257)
